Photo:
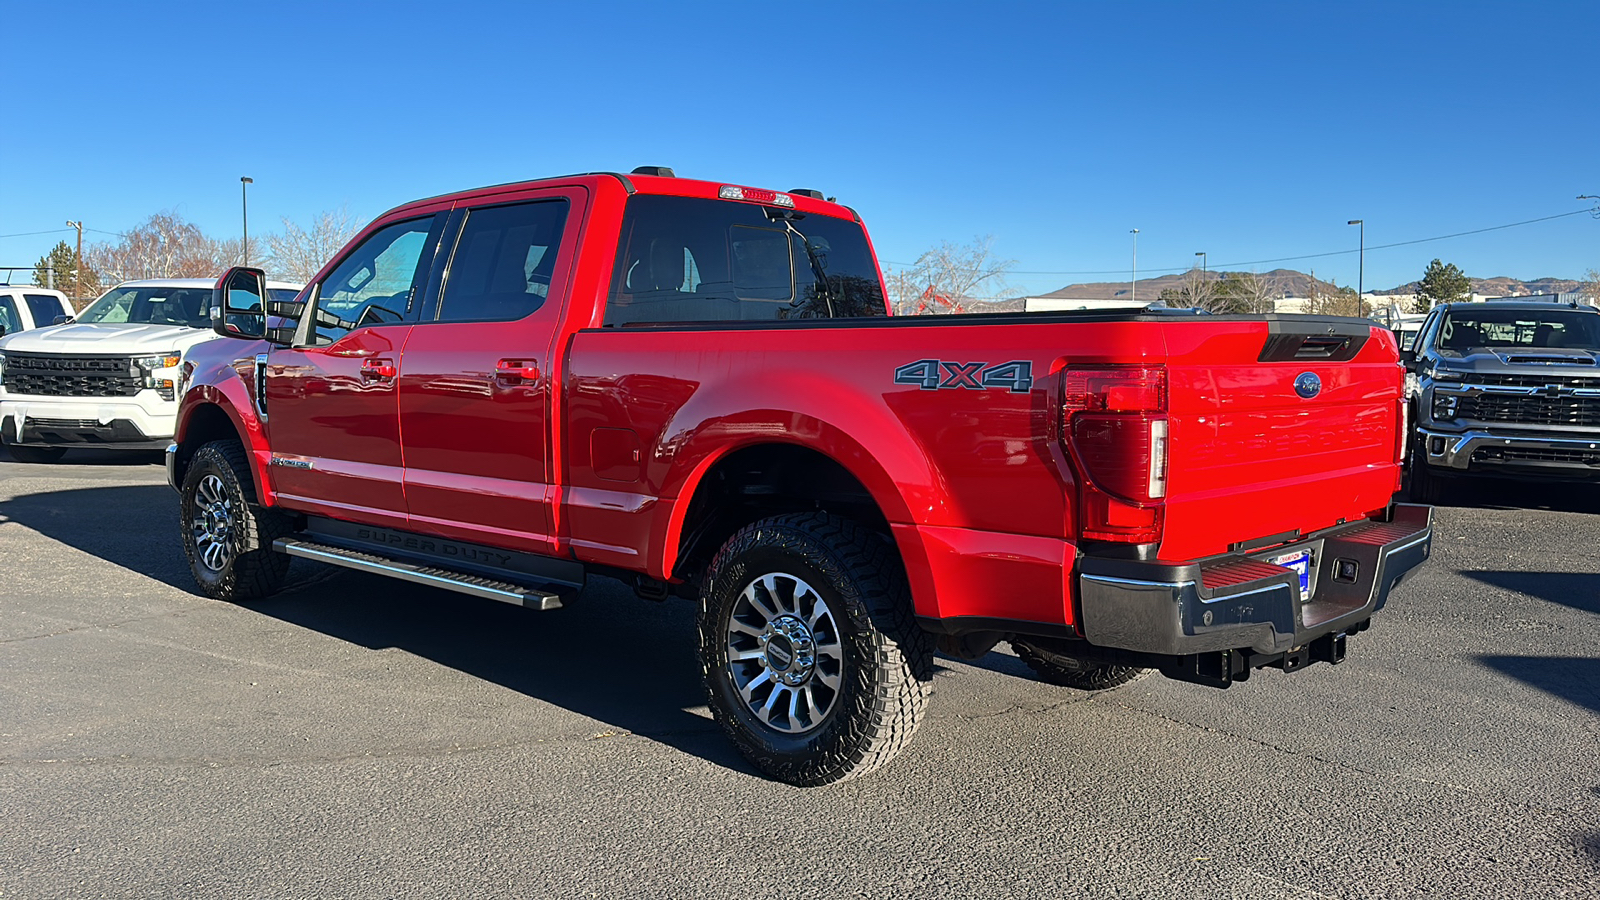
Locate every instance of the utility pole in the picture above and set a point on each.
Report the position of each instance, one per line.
(78, 263)
(1135, 296)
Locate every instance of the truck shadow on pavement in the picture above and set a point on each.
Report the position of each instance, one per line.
(134, 526)
(1575, 679)
(1579, 590)
(1489, 493)
(609, 656)
(95, 457)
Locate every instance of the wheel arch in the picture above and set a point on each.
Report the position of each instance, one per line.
(210, 415)
(750, 481)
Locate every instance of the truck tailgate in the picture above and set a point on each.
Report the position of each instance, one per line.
(1289, 435)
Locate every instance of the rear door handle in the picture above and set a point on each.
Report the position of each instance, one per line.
(377, 370)
(516, 371)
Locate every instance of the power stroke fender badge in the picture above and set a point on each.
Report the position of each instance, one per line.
(1307, 384)
(292, 463)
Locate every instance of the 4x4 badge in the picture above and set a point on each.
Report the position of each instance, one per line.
(1307, 385)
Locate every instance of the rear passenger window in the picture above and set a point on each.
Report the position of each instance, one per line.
(685, 259)
(44, 308)
(503, 262)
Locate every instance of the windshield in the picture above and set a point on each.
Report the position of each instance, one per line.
(150, 306)
(1520, 329)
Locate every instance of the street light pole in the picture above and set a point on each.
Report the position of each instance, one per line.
(1202, 255)
(244, 201)
(1135, 233)
(1361, 262)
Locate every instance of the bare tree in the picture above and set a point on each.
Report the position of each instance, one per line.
(1332, 300)
(959, 272)
(1591, 285)
(164, 246)
(1199, 290)
(230, 252)
(1248, 292)
(297, 254)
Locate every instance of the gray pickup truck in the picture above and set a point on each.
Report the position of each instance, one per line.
(1506, 389)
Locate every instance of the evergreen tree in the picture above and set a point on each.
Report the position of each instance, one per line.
(1442, 283)
(63, 259)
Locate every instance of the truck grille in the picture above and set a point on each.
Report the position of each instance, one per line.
(1533, 381)
(1536, 454)
(71, 376)
(1530, 409)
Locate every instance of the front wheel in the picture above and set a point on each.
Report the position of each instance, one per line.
(1422, 485)
(227, 536)
(43, 455)
(813, 661)
(1068, 671)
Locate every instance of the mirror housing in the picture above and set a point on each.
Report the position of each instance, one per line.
(238, 304)
(1408, 358)
(63, 320)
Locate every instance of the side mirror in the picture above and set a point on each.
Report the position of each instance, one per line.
(1408, 358)
(2, 330)
(237, 304)
(62, 320)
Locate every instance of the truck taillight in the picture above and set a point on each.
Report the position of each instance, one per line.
(1114, 427)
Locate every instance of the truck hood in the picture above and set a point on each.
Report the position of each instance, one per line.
(132, 340)
(1557, 361)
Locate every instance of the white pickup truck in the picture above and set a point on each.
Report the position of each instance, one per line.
(108, 378)
(25, 306)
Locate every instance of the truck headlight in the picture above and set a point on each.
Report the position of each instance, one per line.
(148, 366)
(1444, 407)
(2, 368)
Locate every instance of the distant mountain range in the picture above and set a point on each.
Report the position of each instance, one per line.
(1292, 283)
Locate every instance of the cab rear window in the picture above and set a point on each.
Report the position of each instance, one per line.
(684, 259)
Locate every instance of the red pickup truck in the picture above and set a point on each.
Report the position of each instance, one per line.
(698, 387)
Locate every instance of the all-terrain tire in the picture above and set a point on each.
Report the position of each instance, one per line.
(822, 589)
(226, 534)
(43, 455)
(1068, 671)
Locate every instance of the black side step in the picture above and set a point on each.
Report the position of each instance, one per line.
(477, 586)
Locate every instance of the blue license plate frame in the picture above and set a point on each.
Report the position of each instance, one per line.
(1298, 562)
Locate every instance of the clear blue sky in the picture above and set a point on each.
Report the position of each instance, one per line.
(1248, 131)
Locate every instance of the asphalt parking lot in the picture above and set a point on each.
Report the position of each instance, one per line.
(359, 737)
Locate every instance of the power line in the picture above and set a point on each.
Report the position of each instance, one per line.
(32, 233)
(1257, 262)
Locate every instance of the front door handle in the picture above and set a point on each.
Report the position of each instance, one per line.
(517, 371)
(377, 370)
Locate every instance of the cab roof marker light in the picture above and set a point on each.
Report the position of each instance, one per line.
(756, 195)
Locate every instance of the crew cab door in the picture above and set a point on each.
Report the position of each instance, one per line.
(479, 371)
(332, 417)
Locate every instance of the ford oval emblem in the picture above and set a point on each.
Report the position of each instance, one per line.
(1307, 385)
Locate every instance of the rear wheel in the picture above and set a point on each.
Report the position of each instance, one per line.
(1055, 667)
(227, 536)
(36, 454)
(813, 662)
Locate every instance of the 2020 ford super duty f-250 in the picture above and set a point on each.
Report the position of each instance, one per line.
(696, 386)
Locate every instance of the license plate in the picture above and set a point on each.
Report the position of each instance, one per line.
(1298, 562)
